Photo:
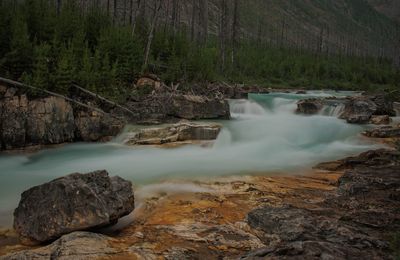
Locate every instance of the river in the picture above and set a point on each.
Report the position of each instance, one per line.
(264, 136)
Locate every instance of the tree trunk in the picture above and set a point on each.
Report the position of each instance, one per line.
(234, 30)
(58, 6)
(115, 12)
(131, 12)
(222, 33)
(174, 16)
(192, 20)
(157, 8)
(135, 19)
(204, 20)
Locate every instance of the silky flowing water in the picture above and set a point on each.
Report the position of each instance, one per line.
(264, 136)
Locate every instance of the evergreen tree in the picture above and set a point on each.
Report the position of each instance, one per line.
(65, 72)
(41, 73)
(19, 59)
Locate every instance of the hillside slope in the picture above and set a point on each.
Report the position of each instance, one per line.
(390, 8)
(355, 27)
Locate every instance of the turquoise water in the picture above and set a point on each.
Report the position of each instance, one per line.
(264, 136)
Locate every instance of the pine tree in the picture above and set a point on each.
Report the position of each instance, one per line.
(65, 72)
(86, 73)
(19, 59)
(41, 73)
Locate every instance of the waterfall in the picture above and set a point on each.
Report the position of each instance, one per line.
(332, 110)
(244, 107)
(267, 137)
(224, 139)
(396, 107)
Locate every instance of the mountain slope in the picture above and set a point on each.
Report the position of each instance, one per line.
(390, 8)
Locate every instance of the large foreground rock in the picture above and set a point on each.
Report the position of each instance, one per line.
(175, 133)
(74, 202)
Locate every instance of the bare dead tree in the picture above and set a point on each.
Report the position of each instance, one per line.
(115, 12)
(58, 6)
(204, 20)
(235, 22)
(222, 32)
(156, 11)
(193, 20)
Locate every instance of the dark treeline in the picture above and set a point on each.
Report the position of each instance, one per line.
(104, 45)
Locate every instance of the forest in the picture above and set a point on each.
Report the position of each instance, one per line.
(105, 45)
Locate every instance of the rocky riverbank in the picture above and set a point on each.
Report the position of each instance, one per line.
(361, 109)
(347, 211)
(27, 121)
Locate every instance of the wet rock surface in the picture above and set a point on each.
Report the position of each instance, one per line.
(371, 158)
(384, 132)
(309, 106)
(28, 121)
(184, 131)
(360, 109)
(77, 245)
(352, 223)
(71, 203)
(380, 120)
(346, 214)
(159, 108)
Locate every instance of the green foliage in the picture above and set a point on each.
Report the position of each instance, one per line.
(395, 245)
(19, 59)
(50, 50)
(65, 72)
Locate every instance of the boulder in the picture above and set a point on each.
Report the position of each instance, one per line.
(71, 203)
(360, 109)
(51, 120)
(384, 132)
(150, 80)
(301, 92)
(13, 116)
(77, 246)
(367, 159)
(295, 233)
(165, 107)
(26, 122)
(380, 120)
(175, 133)
(309, 106)
(29, 121)
(94, 126)
(384, 105)
(198, 107)
(350, 223)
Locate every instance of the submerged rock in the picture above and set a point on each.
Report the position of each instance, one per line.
(175, 133)
(77, 246)
(71, 203)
